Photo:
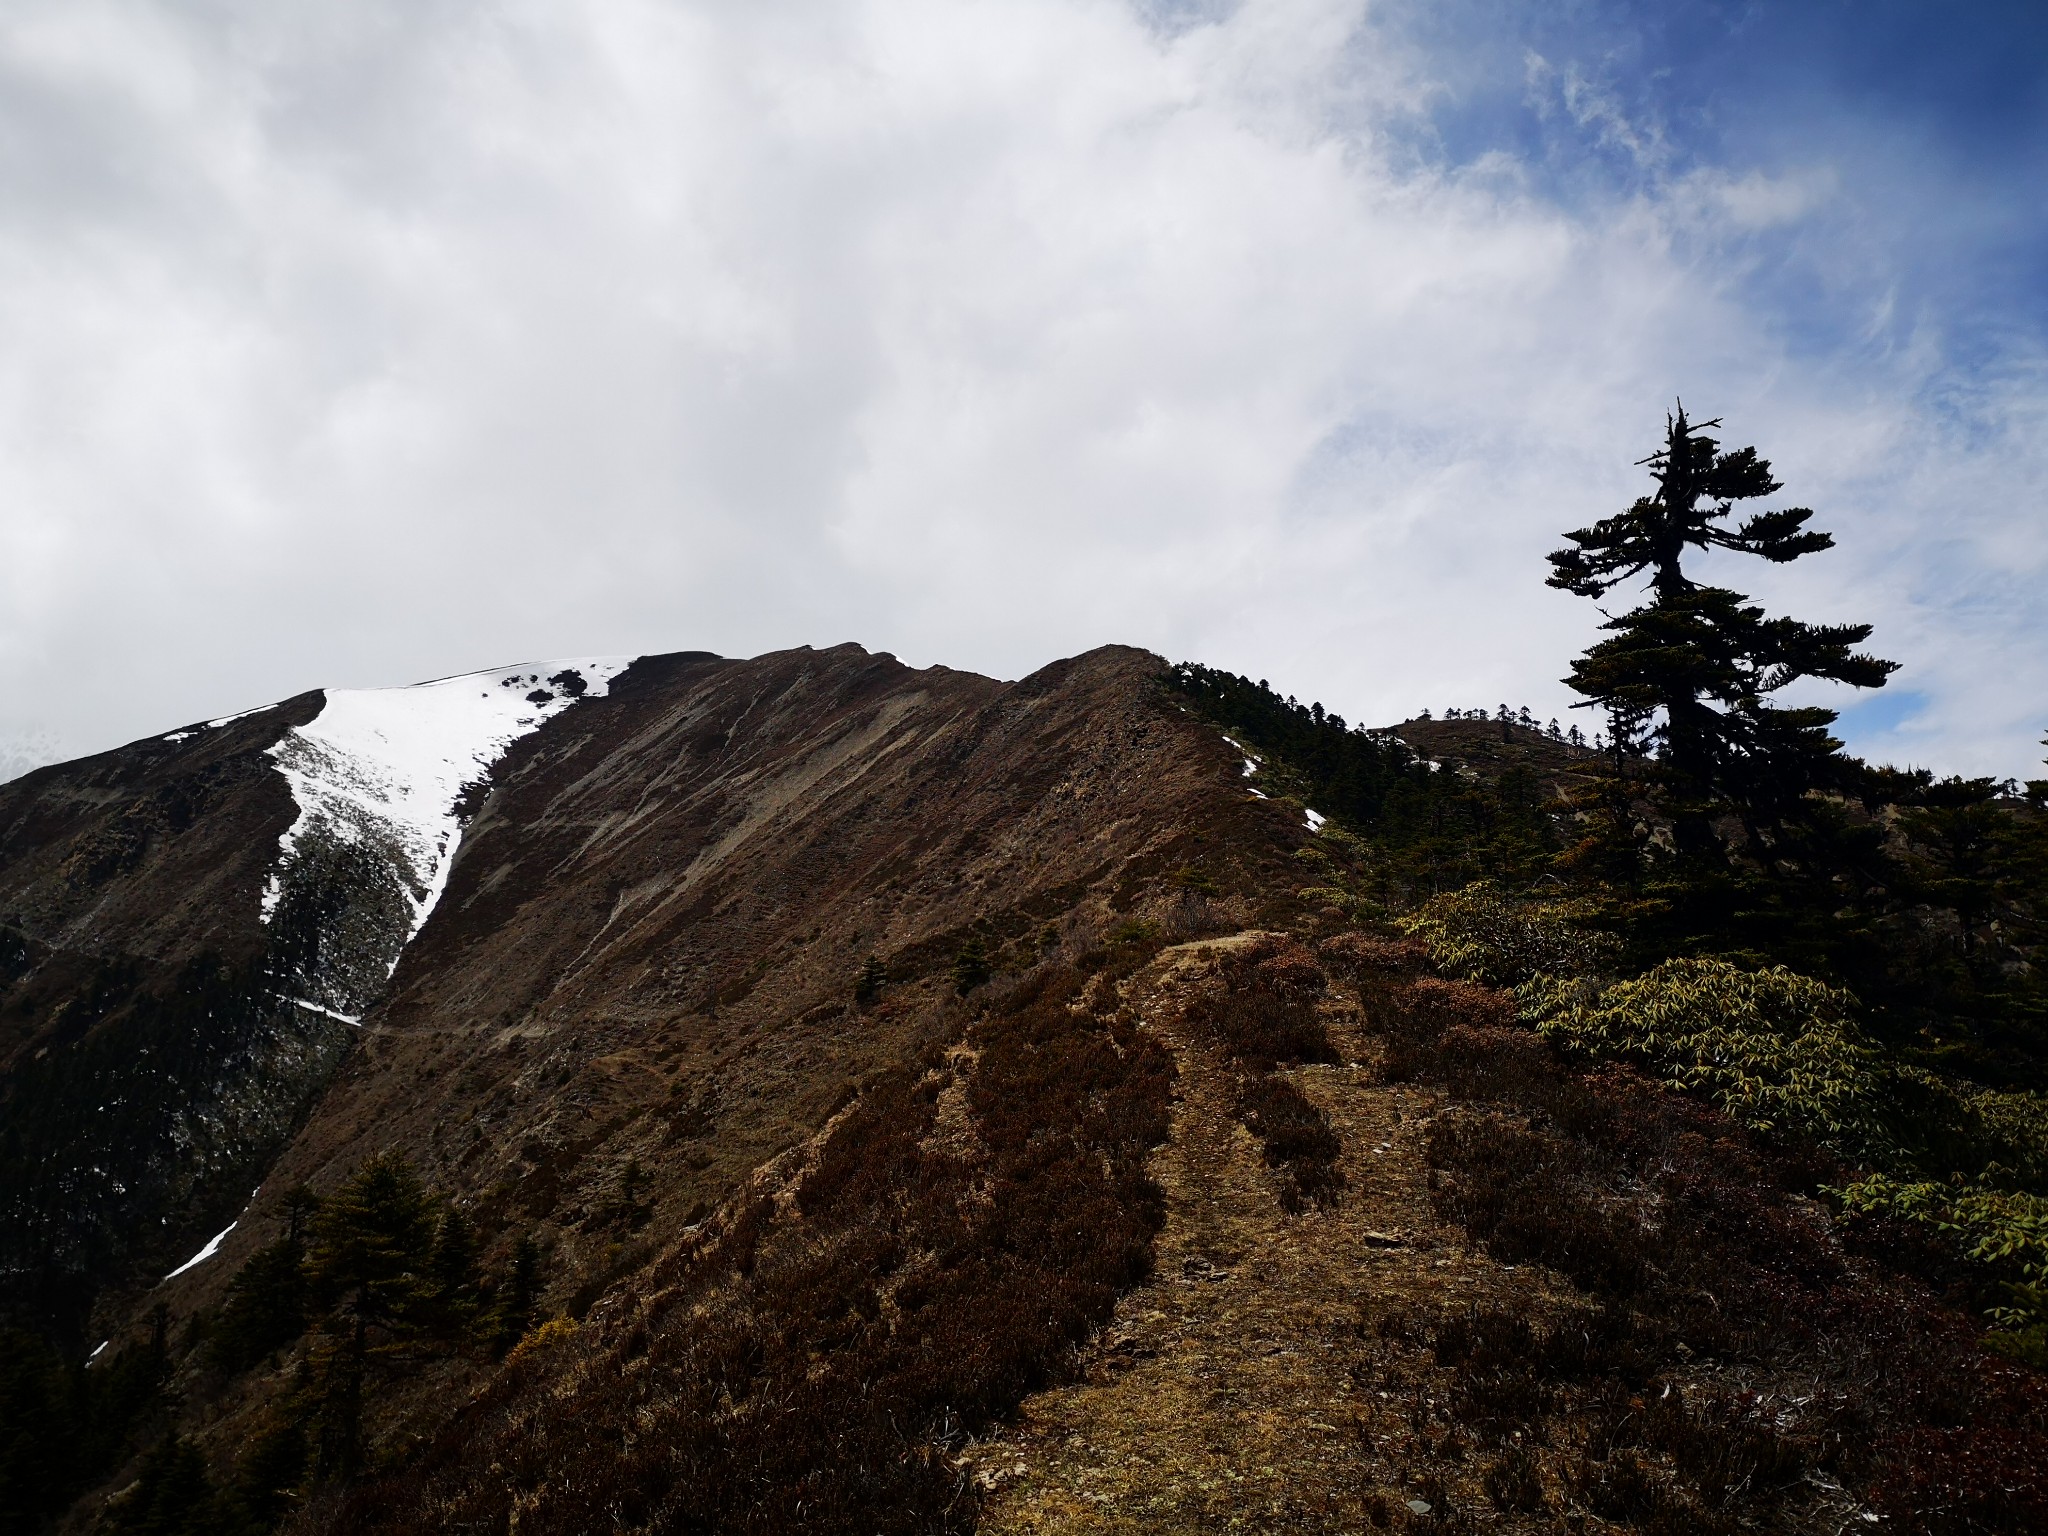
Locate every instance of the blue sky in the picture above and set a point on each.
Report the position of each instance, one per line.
(361, 345)
(1927, 124)
(1930, 120)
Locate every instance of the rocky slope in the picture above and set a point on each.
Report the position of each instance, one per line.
(541, 943)
(190, 927)
(647, 941)
(812, 1093)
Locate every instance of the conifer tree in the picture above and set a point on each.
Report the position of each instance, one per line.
(1691, 670)
(171, 1495)
(517, 1293)
(373, 1240)
(972, 966)
(867, 986)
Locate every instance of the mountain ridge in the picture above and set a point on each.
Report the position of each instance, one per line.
(829, 1094)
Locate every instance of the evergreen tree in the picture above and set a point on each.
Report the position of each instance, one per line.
(517, 1293)
(266, 1480)
(971, 966)
(332, 1397)
(371, 1243)
(867, 986)
(630, 1207)
(266, 1302)
(452, 1273)
(171, 1496)
(1691, 670)
(369, 1257)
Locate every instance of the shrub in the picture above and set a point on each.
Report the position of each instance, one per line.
(1514, 1483)
(1775, 1049)
(1988, 1479)
(1266, 1012)
(1993, 1226)
(1413, 1020)
(1364, 960)
(1678, 1223)
(1997, 1137)
(1521, 1193)
(1483, 1338)
(1623, 1488)
(1297, 1140)
(1483, 934)
(816, 1369)
(2001, 1229)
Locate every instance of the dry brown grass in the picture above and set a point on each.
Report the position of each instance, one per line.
(1248, 1385)
(1550, 1301)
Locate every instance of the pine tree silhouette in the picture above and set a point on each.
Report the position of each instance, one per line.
(1692, 669)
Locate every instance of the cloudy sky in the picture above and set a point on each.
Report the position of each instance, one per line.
(362, 343)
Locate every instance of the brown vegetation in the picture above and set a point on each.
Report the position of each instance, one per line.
(812, 1361)
(1659, 1327)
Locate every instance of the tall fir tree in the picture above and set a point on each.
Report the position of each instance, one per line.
(1690, 672)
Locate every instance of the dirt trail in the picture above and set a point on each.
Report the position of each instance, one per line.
(1244, 1387)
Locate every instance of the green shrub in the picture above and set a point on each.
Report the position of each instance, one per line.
(1995, 1226)
(1483, 934)
(2000, 1228)
(1776, 1050)
(1991, 1137)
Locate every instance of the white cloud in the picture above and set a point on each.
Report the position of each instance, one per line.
(364, 345)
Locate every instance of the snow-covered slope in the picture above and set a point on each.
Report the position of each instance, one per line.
(26, 751)
(387, 767)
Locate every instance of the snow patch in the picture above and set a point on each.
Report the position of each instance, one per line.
(214, 725)
(98, 1352)
(212, 1247)
(1315, 820)
(388, 766)
(345, 1018)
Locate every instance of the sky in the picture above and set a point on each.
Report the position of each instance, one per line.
(358, 345)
